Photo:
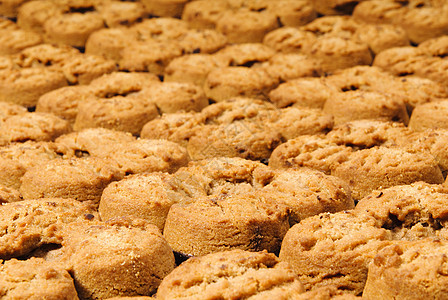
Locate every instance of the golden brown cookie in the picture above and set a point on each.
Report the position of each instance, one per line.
(25, 86)
(332, 7)
(380, 37)
(32, 15)
(201, 41)
(381, 167)
(110, 42)
(82, 179)
(33, 126)
(193, 68)
(240, 274)
(290, 40)
(9, 195)
(224, 83)
(252, 221)
(245, 26)
(409, 270)
(333, 250)
(120, 257)
(14, 41)
(203, 14)
(379, 11)
(9, 8)
(246, 54)
(10, 109)
(147, 196)
(400, 61)
(164, 8)
(429, 116)
(311, 151)
(358, 105)
(17, 158)
(29, 224)
(301, 92)
(35, 278)
(118, 13)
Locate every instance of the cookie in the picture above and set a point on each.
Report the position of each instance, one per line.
(311, 151)
(9, 195)
(328, 7)
(35, 278)
(252, 30)
(334, 52)
(146, 196)
(289, 66)
(171, 97)
(203, 14)
(410, 212)
(201, 41)
(82, 179)
(134, 258)
(224, 83)
(110, 42)
(123, 113)
(9, 8)
(29, 224)
(301, 92)
(429, 116)
(409, 270)
(240, 274)
(148, 56)
(164, 8)
(117, 13)
(72, 28)
(193, 68)
(360, 105)
(32, 127)
(369, 169)
(25, 86)
(246, 54)
(251, 221)
(290, 40)
(159, 28)
(333, 250)
(400, 61)
(291, 13)
(333, 26)
(378, 11)
(10, 109)
(32, 15)
(17, 158)
(380, 37)
(14, 41)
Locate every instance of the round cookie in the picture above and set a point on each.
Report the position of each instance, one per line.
(9, 8)
(252, 221)
(333, 26)
(290, 40)
(82, 179)
(410, 212)
(72, 28)
(309, 192)
(334, 52)
(201, 41)
(9, 195)
(193, 68)
(311, 151)
(146, 196)
(288, 66)
(14, 41)
(171, 97)
(25, 86)
(409, 270)
(17, 158)
(357, 105)
(33, 14)
(291, 13)
(150, 56)
(10, 109)
(163, 29)
(164, 8)
(246, 54)
(30, 224)
(430, 115)
(369, 169)
(123, 113)
(380, 37)
(110, 42)
(203, 14)
(224, 83)
(400, 61)
(301, 92)
(32, 126)
(93, 141)
(244, 26)
(379, 11)
(119, 13)
(333, 250)
(241, 274)
(116, 258)
(35, 278)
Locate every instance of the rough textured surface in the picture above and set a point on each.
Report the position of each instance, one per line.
(229, 275)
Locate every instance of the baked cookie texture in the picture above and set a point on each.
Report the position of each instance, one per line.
(231, 274)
